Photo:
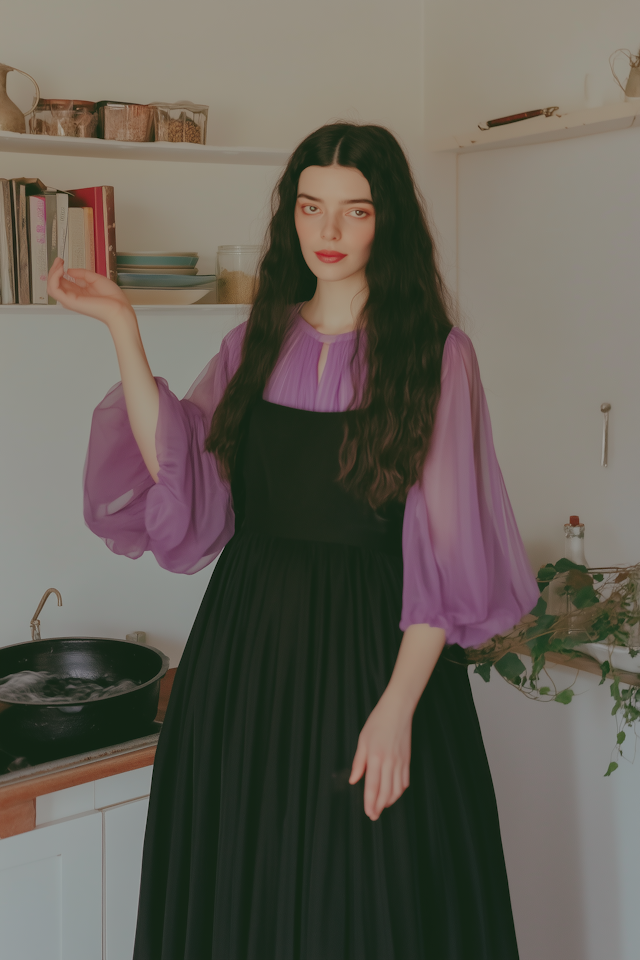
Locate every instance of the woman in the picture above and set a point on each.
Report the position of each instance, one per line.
(320, 790)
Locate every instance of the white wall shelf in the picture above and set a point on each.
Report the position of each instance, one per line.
(580, 123)
(239, 310)
(121, 150)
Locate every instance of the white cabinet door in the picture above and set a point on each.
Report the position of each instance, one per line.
(123, 837)
(51, 892)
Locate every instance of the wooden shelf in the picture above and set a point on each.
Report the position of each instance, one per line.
(580, 661)
(178, 310)
(121, 150)
(580, 123)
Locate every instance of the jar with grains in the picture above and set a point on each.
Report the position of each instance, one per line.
(124, 121)
(64, 118)
(181, 122)
(237, 273)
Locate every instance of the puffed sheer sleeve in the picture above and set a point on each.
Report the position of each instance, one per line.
(465, 568)
(185, 518)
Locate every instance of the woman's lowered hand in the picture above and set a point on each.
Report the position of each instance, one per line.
(383, 752)
(384, 744)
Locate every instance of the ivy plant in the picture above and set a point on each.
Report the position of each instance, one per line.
(594, 606)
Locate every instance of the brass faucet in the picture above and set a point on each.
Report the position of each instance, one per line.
(35, 623)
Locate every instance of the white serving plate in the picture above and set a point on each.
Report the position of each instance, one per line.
(158, 298)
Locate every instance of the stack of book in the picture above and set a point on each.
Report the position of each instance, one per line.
(38, 224)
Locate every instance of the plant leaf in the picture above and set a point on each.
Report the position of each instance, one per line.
(563, 565)
(585, 597)
(577, 579)
(545, 574)
(510, 666)
(484, 670)
(604, 669)
(540, 608)
(545, 691)
(565, 696)
(621, 737)
(612, 766)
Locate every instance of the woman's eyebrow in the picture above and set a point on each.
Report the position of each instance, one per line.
(306, 196)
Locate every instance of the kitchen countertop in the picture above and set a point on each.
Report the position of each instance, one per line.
(19, 789)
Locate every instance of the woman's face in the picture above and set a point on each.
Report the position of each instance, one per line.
(335, 221)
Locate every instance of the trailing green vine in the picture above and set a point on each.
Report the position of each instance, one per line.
(576, 606)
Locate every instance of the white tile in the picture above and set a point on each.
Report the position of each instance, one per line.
(122, 787)
(64, 803)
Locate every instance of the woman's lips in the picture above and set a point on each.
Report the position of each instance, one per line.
(330, 256)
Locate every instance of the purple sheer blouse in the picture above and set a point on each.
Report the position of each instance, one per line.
(465, 568)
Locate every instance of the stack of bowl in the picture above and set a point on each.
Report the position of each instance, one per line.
(161, 277)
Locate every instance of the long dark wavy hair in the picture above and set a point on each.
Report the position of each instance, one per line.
(406, 318)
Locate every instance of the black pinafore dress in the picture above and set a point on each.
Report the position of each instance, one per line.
(257, 847)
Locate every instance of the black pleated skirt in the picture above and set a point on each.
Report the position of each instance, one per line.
(257, 847)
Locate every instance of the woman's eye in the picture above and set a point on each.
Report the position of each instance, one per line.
(359, 214)
(309, 208)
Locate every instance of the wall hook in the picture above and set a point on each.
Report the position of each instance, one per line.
(605, 407)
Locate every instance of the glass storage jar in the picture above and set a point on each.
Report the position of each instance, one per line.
(124, 121)
(181, 122)
(237, 273)
(64, 118)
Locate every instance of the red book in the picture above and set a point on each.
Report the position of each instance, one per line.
(101, 201)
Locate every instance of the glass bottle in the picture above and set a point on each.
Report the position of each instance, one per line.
(558, 602)
(574, 541)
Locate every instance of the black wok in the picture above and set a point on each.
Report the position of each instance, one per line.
(46, 732)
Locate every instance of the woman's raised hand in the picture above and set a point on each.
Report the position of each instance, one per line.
(87, 292)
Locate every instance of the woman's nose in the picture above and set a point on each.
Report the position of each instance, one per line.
(330, 229)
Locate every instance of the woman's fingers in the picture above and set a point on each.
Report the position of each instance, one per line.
(372, 786)
(359, 763)
(398, 789)
(385, 787)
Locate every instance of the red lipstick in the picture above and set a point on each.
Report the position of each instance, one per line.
(329, 256)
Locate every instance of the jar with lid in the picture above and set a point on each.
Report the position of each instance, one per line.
(181, 122)
(237, 273)
(124, 121)
(64, 118)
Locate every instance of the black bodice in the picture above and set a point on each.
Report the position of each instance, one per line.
(286, 483)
